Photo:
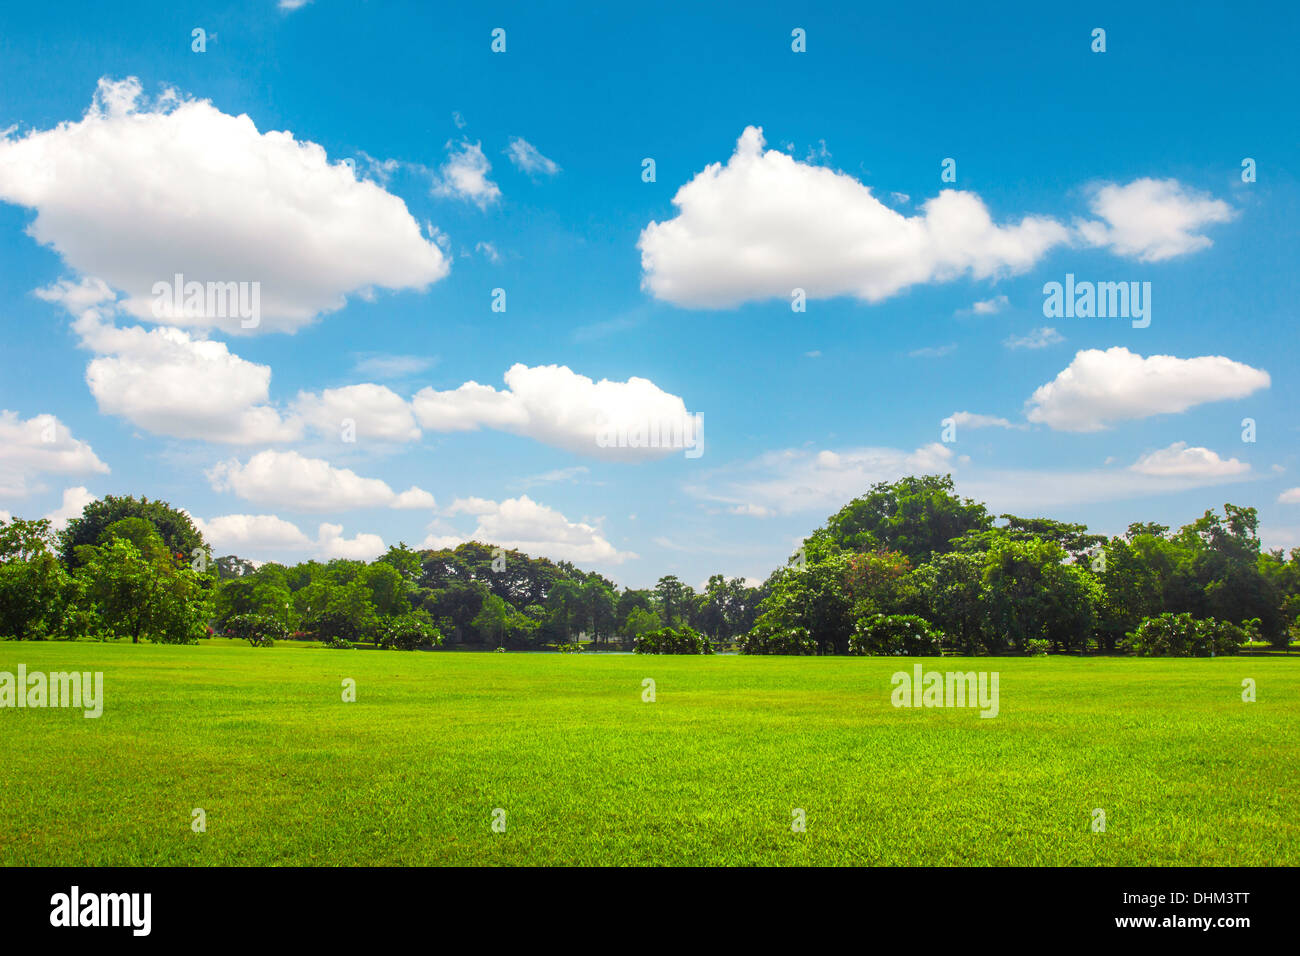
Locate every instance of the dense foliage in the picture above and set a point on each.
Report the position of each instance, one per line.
(908, 568)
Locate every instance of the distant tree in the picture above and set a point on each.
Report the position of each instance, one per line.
(34, 587)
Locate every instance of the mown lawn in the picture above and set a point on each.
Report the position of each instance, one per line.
(588, 773)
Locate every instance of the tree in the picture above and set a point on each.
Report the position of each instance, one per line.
(951, 589)
(492, 619)
(141, 595)
(673, 598)
(34, 587)
(915, 516)
(1033, 594)
(177, 531)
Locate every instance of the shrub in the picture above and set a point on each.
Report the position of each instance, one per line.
(768, 639)
(1037, 647)
(258, 629)
(669, 640)
(895, 634)
(406, 632)
(574, 648)
(1181, 635)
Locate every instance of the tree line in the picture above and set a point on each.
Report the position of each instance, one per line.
(908, 568)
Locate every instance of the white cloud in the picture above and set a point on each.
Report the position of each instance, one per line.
(990, 306)
(801, 480)
(1037, 339)
(1178, 460)
(288, 6)
(331, 544)
(765, 224)
(74, 502)
(1098, 388)
(135, 193)
(290, 480)
(933, 351)
(523, 524)
(253, 535)
(168, 382)
(556, 406)
(376, 412)
(465, 176)
(41, 445)
(527, 158)
(975, 420)
(1290, 497)
(1152, 219)
(393, 366)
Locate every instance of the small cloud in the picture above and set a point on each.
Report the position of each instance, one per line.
(934, 351)
(489, 250)
(815, 353)
(1037, 339)
(975, 420)
(377, 365)
(1290, 497)
(465, 176)
(526, 157)
(458, 119)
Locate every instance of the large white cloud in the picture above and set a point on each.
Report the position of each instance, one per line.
(525, 525)
(41, 445)
(168, 382)
(765, 224)
(557, 406)
(376, 413)
(135, 193)
(1152, 219)
(1098, 388)
(290, 480)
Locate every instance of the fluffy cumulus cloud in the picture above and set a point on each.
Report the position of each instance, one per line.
(166, 381)
(1101, 387)
(1152, 219)
(533, 528)
(73, 504)
(556, 406)
(765, 223)
(1290, 497)
(362, 412)
(290, 480)
(136, 193)
(40, 445)
(465, 176)
(255, 535)
(801, 480)
(1179, 460)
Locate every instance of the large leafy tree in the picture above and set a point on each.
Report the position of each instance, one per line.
(174, 527)
(140, 591)
(916, 516)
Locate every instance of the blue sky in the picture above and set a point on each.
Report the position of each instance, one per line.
(473, 170)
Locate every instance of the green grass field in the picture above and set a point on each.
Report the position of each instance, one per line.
(588, 773)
